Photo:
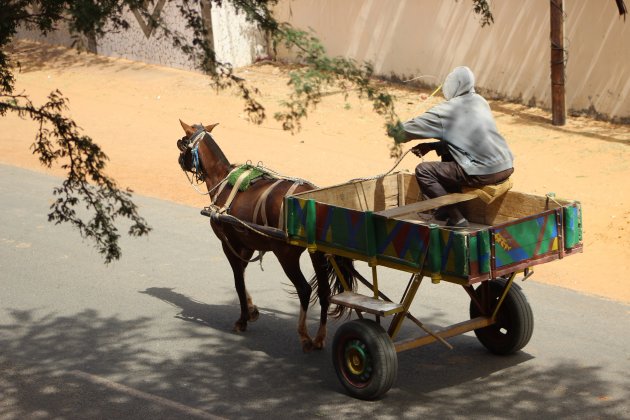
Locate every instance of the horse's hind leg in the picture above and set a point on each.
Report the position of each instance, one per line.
(249, 311)
(251, 308)
(290, 263)
(323, 293)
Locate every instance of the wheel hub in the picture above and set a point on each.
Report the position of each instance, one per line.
(357, 360)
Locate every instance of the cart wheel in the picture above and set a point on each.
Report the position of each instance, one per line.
(515, 319)
(365, 359)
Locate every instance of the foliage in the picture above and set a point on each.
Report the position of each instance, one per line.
(320, 72)
(58, 140)
(482, 8)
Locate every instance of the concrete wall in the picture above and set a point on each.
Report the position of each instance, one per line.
(411, 38)
(511, 58)
(235, 40)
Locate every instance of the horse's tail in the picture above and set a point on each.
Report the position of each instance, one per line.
(346, 270)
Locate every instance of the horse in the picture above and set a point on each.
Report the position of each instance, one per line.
(259, 205)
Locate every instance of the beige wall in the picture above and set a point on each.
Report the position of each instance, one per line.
(511, 58)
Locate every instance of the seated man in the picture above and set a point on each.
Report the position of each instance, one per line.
(473, 152)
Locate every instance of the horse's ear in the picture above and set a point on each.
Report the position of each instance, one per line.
(210, 127)
(187, 129)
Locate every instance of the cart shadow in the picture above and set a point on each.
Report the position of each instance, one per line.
(425, 369)
(435, 367)
(88, 365)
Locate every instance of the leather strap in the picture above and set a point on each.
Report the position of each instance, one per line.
(262, 203)
(235, 188)
(289, 192)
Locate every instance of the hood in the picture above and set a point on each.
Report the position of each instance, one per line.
(459, 82)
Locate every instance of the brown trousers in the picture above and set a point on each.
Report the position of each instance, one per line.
(440, 178)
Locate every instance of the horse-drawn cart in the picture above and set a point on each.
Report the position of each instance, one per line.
(384, 222)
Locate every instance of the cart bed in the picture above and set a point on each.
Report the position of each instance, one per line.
(377, 221)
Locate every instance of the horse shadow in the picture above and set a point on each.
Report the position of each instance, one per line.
(424, 369)
(274, 333)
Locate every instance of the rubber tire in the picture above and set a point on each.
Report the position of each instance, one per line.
(515, 320)
(381, 361)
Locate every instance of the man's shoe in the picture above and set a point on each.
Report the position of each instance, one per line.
(441, 214)
(462, 223)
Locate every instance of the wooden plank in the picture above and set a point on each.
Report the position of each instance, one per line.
(402, 195)
(366, 303)
(412, 189)
(453, 330)
(425, 205)
(369, 195)
(511, 206)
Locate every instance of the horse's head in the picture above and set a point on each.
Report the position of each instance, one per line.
(189, 145)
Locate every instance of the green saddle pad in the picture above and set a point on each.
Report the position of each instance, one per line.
(253, 175)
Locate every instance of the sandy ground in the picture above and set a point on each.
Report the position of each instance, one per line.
(132, 110)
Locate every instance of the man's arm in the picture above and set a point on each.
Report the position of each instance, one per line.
(425, 126)
(424, 148)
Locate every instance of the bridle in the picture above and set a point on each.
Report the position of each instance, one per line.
(191, 144)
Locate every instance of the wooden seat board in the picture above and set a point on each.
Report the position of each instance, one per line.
(426, 205)
(366, 303)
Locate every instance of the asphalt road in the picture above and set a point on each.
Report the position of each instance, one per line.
(150, 336)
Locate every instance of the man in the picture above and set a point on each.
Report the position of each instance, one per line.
(473, 152)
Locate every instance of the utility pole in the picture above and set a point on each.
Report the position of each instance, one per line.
(558, 110)
(206, 15)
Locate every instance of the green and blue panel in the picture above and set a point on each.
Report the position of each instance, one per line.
(296, 217)
(464, 255)
(342, 228)
(572, 225)
(526, 240)
(401, 242)
(449, 253)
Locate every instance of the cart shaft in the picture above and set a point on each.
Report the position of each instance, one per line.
(451, 331)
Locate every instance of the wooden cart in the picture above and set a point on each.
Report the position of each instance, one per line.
(384, 222)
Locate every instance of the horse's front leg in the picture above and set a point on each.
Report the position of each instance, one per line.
(238, 261)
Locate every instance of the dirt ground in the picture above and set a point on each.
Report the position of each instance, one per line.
(132, 110)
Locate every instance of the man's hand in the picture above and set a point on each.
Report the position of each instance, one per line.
(423, 148)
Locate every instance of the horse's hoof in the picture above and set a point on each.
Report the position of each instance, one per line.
(318, 344)
(240, 326)
(307, 346)
(253, 313)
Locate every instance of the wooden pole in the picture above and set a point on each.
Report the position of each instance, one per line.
(558, 110)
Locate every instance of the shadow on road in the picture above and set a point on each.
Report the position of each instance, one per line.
(259, 373)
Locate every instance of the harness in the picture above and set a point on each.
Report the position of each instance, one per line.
(240, 178)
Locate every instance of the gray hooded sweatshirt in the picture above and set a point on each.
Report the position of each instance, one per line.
(465, 123)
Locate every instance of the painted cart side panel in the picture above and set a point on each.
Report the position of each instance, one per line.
(526, 240)
(295, 217)
(346, 229)
(471, 256)
(453, 253)
(572, 225)
(500, 249)
(401, 242)
(479, 253)
(368, 237)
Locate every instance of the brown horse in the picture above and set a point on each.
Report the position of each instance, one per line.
(259, 205)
